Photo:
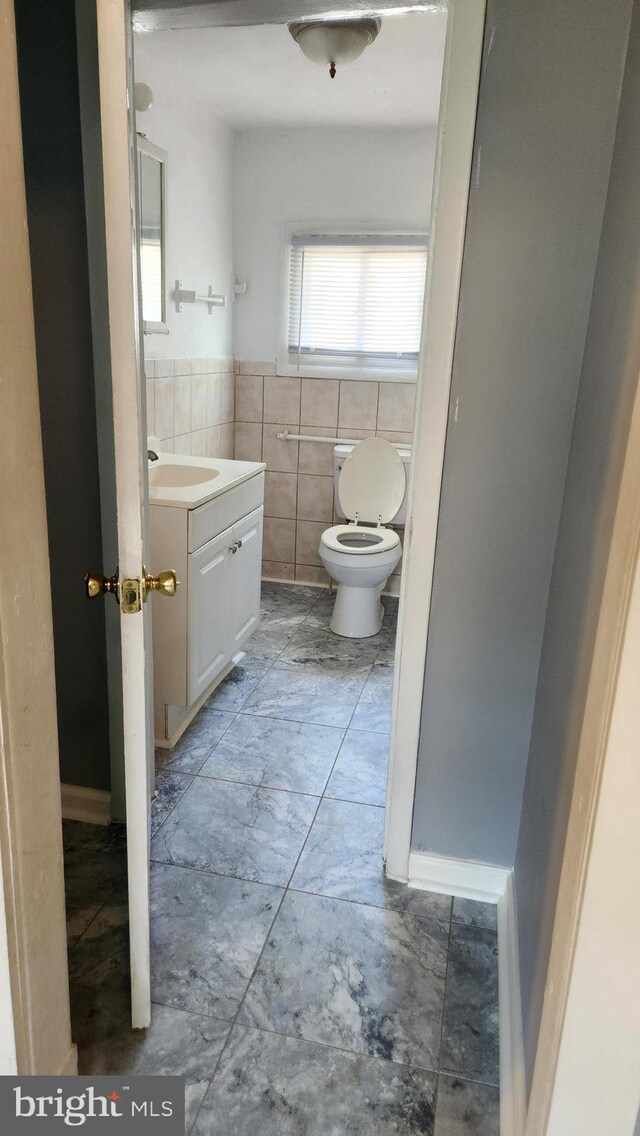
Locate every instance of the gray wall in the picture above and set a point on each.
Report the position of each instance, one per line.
(546, 121)
(609, 377)
(57, 232)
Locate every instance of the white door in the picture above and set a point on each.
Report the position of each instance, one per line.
(210, 572)
(246, 564)
(129, 446)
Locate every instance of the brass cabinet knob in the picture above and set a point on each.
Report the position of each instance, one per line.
(166, 583)
(98, 585)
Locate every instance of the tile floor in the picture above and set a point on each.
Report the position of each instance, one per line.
(299, 992)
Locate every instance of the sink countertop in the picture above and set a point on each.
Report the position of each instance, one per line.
(229, 473)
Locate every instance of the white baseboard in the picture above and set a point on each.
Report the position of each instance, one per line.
(93, 806)
(492, 884)
(464, 878)
(513, 1107)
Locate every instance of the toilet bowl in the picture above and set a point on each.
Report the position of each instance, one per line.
(361, 555)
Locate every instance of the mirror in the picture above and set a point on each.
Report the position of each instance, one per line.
(152, 190)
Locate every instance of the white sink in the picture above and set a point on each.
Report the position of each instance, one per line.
(180, 475)
(185, 482)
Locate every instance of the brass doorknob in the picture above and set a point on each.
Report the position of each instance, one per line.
(98, 585)
(166, 583)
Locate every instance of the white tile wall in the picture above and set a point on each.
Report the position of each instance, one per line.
(191, 405)
(299, 497)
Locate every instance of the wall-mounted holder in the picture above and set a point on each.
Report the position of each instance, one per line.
(237, 289)
(189, 296)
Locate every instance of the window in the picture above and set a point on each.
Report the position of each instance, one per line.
(355, 301)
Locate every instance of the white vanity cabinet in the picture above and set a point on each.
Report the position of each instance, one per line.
(216, 550)
(224, 599)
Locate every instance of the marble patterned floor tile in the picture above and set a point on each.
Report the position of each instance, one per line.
(360, 978)
(343, 858)
(283, 608)
(280, 1086)
(372, 717)
(325, 700)
(175, 1044)
(466, 1108)
(207, 932)
(100, 958)
(195, 745)
(284, 598)
(323, 652)
(360, 773)
(297, 756)
(94, 864)
(470, 1029)
(233, 691)
(236, 830)
(373, 711)
(170, 785)
(475, 914)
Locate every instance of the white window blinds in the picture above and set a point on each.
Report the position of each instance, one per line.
(356, 298)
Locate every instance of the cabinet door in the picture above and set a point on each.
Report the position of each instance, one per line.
(246, 565)
(210, 629)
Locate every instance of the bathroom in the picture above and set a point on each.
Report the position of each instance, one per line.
(263, 216)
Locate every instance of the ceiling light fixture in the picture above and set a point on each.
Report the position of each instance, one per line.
(334, 42)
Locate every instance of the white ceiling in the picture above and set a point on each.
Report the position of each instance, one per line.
(257, 76)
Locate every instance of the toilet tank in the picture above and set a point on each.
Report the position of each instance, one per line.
(339, 455)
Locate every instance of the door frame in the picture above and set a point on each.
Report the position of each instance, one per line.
(573, 1072)
(35, 1030)
(452, 178)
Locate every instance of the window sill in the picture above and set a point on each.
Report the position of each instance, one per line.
(357, 374)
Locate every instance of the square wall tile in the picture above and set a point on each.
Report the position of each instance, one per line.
(248, 445)
(227, 398)
(227, 440)
(278, 454)
(280, 491)
(279, 540)
(358, 404)
(272, 570)
(315, 457)
(165, 408)
(213, 441)
(199, 444)
(149, 368)
(165, 368)
(199, 366)
(319, 402)
(151, 408)
(308, 541)
(249, 398)
(183, 367)
(214, 400)
(256, 367)
(308, 574)
(400, 437)
(199, 402)
(396, 406)
(183, 444)
(357, 435)
(182, 404)
(315, 498)
(282, 399)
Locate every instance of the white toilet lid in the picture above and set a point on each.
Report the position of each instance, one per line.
(372, 481)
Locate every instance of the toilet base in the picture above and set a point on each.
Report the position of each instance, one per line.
(357, 612)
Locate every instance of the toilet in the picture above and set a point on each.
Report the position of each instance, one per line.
(360, 556)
